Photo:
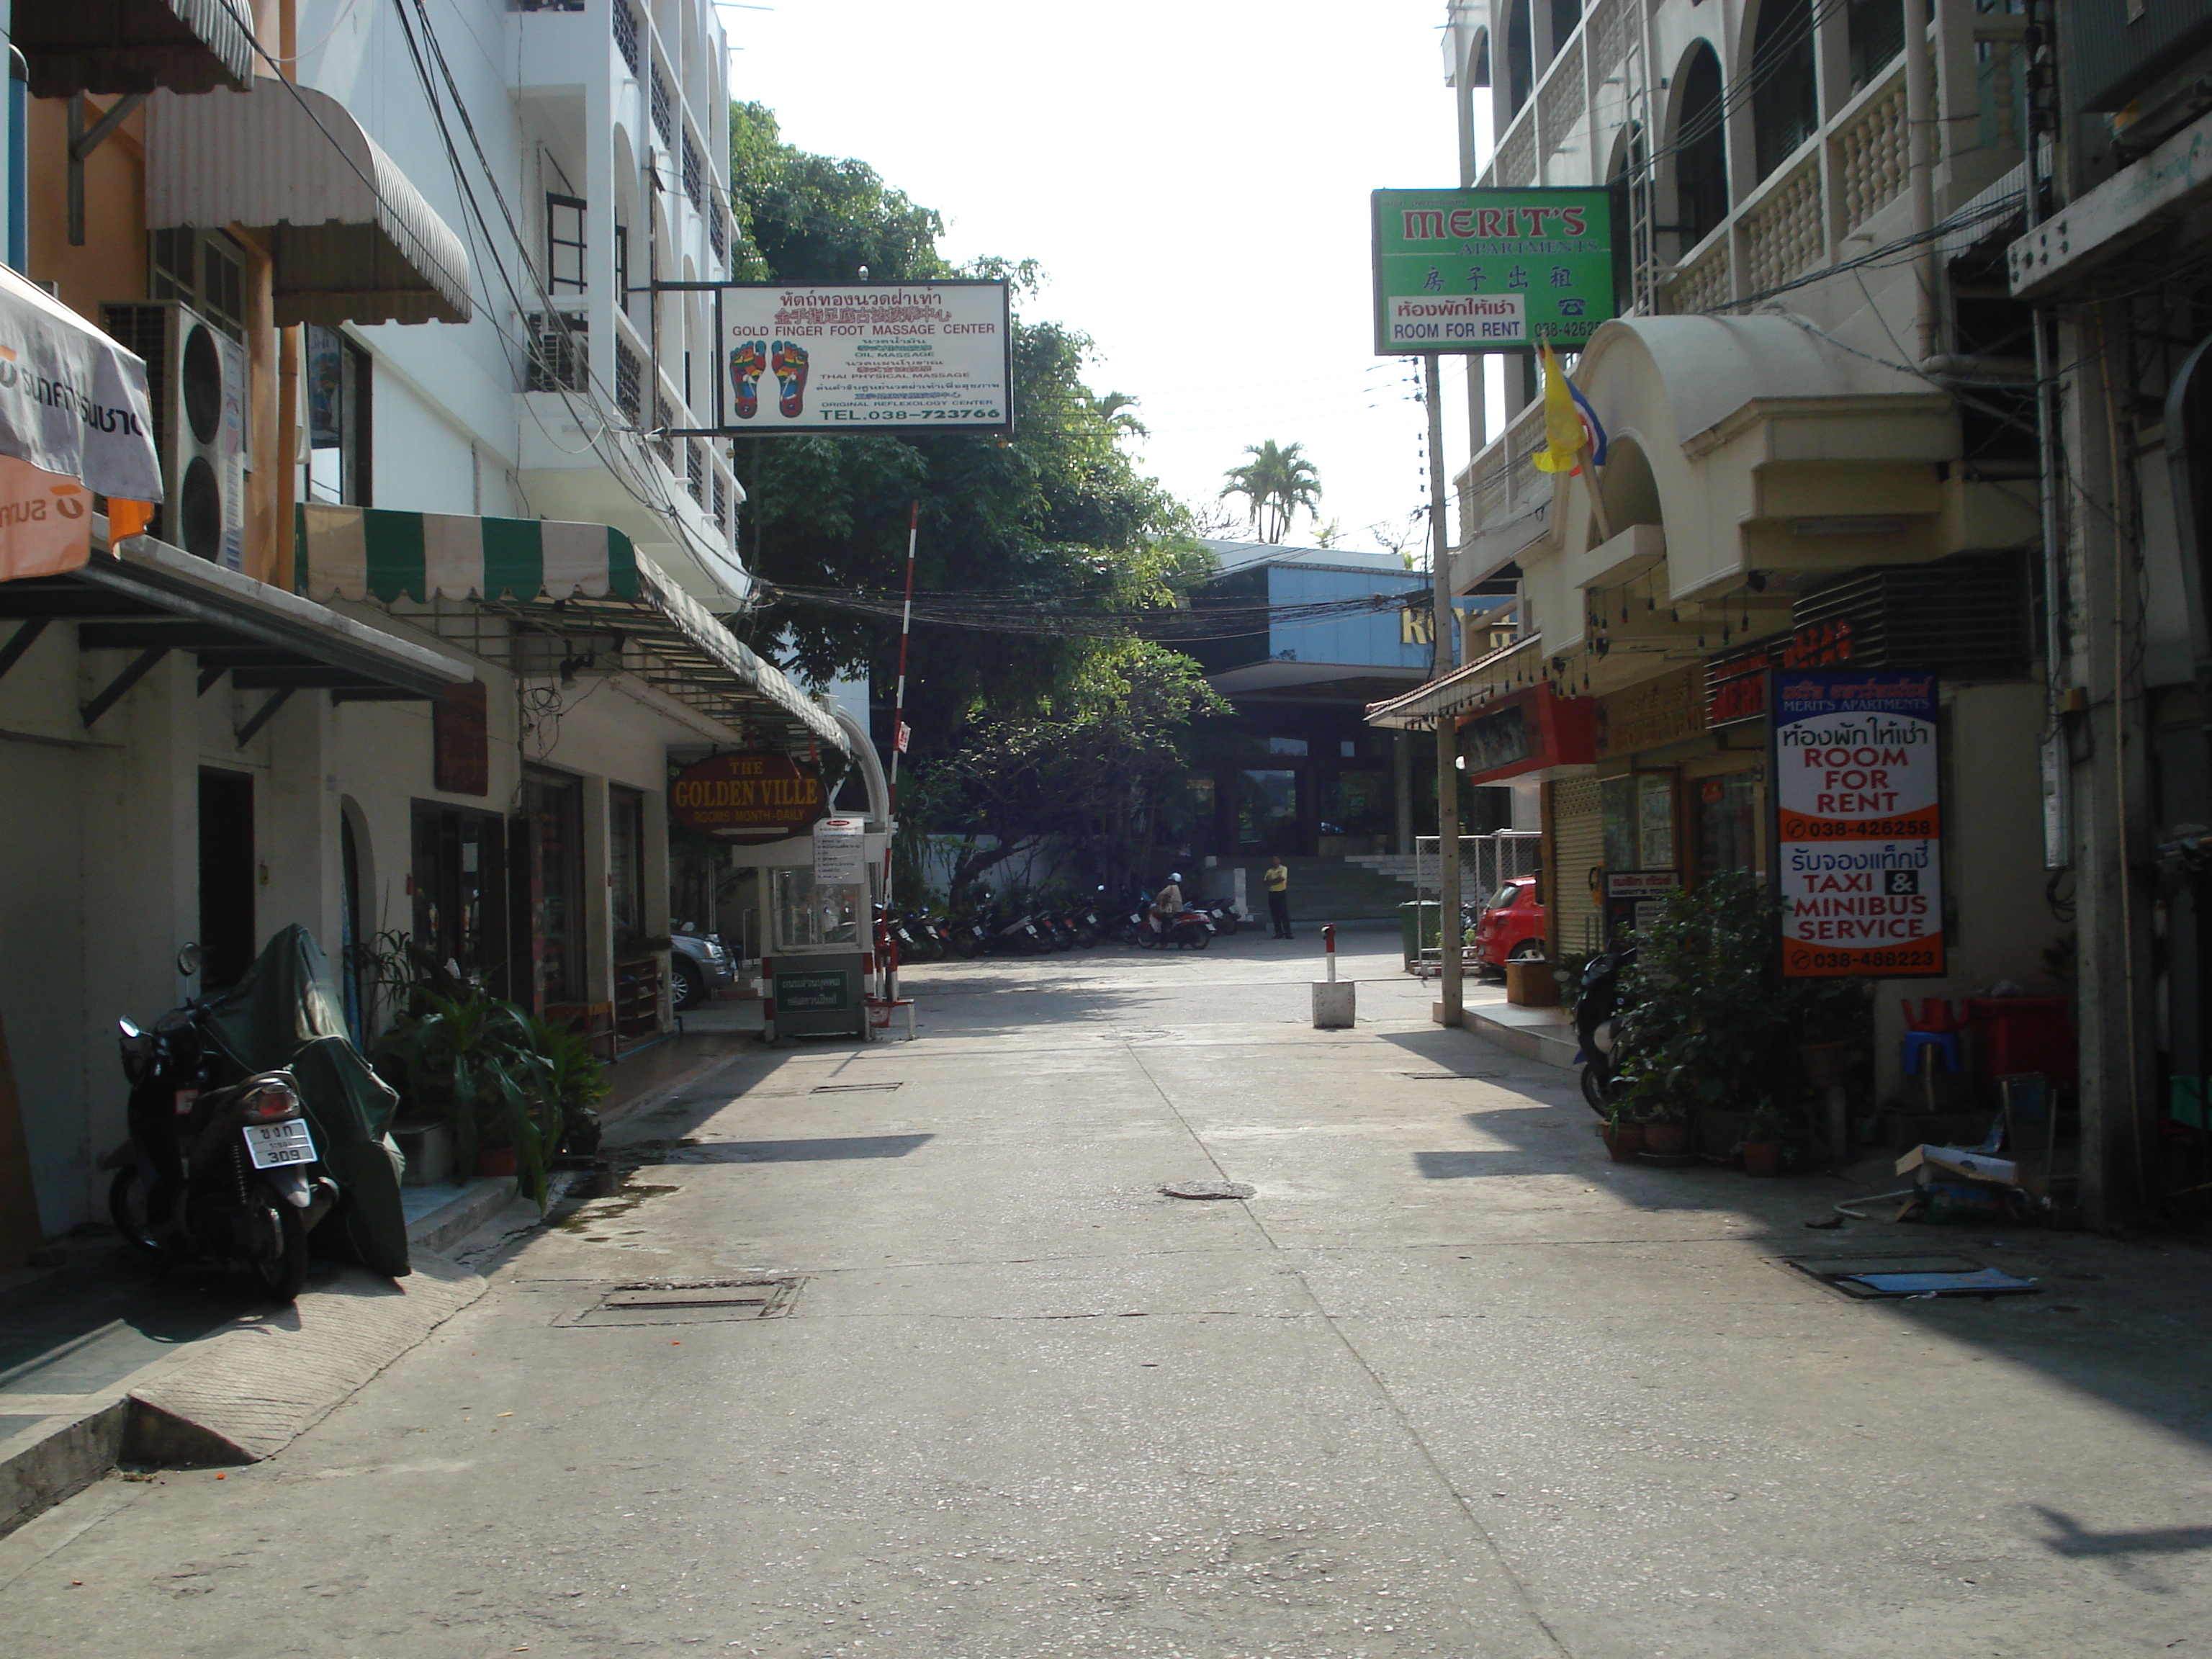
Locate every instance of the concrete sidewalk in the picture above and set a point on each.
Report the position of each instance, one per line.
(102, 1357)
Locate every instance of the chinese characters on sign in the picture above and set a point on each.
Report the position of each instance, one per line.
(1475, 270)
(1861, 824)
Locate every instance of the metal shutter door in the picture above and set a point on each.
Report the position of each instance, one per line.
(1579, 836)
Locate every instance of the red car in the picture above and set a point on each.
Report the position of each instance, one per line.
(1512, 925)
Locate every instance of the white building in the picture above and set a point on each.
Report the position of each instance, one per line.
(430, 611)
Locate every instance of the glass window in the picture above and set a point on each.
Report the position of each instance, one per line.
(808, 916)
(554, 807)
(1730, 829)
(1286, 745)
(1654, 821)
(626, 866)
(338, 418)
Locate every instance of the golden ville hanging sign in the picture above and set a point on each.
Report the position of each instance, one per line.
(747, 795)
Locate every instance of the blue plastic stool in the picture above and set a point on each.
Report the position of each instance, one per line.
(1945, 1043)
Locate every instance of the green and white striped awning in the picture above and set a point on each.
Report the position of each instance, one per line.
(582, 581)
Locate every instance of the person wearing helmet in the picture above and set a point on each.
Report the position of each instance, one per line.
(1168, 902)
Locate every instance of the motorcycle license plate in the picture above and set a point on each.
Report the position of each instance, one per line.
(272, 1146)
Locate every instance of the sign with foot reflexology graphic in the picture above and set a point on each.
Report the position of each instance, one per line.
(1859, 814)
(863, 357)
(1476, 270)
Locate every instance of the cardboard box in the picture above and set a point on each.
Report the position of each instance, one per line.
(1530, 985)
(1950, 1162)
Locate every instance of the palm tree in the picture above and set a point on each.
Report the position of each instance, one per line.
(1276, 484)
(1118, 411)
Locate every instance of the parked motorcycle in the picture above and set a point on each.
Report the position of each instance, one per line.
(1017, 936)
(1222, 915)
(1597, 1007)
(229, 1173)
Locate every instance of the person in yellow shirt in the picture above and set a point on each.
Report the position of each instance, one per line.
(1278, 877)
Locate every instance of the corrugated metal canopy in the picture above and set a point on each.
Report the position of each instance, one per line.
(353, 241)
(131, 45)
(1460, 690)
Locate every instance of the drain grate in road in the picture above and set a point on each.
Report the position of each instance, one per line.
(696, 1301)
(854, 1088)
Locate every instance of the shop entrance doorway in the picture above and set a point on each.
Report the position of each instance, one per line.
(227, 879)
(551, 888)
(460, 878)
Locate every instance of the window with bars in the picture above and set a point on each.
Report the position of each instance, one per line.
(717, 233)
(661, 105)
(626, 33)
(629, 382)
(564, 244)
(205, 269)
(691, 171)
(695, 470)
(663, 418)
(721, 506)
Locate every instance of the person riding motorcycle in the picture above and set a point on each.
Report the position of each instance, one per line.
(1167, 902)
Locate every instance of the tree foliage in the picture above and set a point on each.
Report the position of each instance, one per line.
(1084, 769)
(1059, 509)
(1278, 483)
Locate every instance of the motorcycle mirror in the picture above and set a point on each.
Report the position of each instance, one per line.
(188, 960)
(123, 1028)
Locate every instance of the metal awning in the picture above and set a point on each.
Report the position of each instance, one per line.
(153, 598)
(1462, 689)
(131, 45)
(581, 587)
(351, 240)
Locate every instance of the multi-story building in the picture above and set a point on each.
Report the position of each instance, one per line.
(2119, 268)
(1821, 401)
(430, 605)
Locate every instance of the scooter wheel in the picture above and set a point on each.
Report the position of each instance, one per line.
(1201, 939)
(1594, 1089)
(126, 1206)
(281, 1257)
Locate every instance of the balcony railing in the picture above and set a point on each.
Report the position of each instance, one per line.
(661, 105)
(626, 33)
(695, 470)
(692, 169)
(629, 382)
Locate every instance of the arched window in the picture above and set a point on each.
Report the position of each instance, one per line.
(1701, 194)
(1478, 74)
(1877, 31)
(1784, 104)
(1565, 14)
(1520, 59)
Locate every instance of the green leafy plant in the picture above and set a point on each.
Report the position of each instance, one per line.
(1708, 1020)
(498, 1074)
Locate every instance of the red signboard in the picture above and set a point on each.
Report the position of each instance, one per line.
(1735, 687)
(750, 795)
(1526, 732)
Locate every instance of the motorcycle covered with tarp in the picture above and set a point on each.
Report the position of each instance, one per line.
(285, 1014)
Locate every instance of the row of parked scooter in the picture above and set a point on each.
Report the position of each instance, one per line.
(993, 928)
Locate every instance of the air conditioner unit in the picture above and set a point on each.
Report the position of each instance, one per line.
(197, 383)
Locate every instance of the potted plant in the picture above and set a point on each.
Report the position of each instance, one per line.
(1708, 1023)
(479, 1062)
(1624, 1134)
(1765, 1139)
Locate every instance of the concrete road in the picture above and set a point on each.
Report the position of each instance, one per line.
(1451, 1383)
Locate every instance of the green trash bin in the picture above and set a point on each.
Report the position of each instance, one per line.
(1417, 926)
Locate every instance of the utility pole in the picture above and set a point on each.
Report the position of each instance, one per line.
(1447, 922)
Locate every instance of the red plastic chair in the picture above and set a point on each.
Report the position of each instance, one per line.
(1935, 1015)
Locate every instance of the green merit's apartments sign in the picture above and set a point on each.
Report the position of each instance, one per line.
(1492, 269)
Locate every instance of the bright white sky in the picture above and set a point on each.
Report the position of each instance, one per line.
(1194, 177)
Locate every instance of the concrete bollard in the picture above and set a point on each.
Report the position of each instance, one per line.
(1334, 1002)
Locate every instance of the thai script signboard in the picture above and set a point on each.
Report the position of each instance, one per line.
(861, 357)
(1476, 270)
(1857, 791)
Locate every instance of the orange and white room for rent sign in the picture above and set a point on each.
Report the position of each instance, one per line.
(1857, 790)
